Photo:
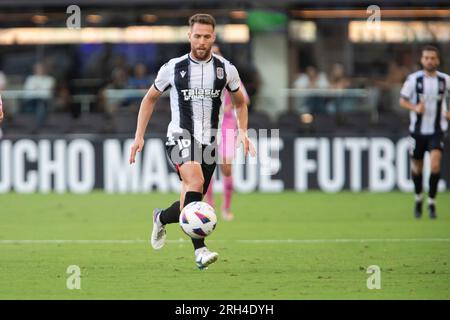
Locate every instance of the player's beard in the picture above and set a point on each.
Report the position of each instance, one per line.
(201, 55)
(430, 68)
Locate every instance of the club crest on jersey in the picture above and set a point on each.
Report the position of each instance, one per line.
(220, 73)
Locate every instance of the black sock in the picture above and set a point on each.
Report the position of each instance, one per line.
(418, 183)
(198, 243)
(171, 214)
(434, 180)
(192, 196)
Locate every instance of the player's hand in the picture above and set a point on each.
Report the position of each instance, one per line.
(246, 143)
(448, 115)
(1, 115)
(136, 147)
(420, 107)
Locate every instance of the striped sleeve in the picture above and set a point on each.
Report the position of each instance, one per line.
(162, 80)
(233, 81)
(407, 90)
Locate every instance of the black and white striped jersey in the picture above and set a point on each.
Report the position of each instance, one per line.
(433, 91)
(196, 93)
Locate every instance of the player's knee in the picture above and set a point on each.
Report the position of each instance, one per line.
(196, 184)
(226, 170)
(417, 170)
(435, 167)
(417, 167)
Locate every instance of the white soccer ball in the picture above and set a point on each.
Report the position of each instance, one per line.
(198, 220)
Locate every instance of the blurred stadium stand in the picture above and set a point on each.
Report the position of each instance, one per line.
(93, 92)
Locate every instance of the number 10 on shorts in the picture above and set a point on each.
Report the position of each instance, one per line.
(184, 143)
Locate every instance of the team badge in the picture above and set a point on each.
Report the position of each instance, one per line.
(219, 72)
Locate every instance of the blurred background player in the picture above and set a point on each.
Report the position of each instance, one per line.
(39, 86)
(196, 81)
(1, 113)
(424, 94)
(1, 116)
(2, 87)
(227, 148)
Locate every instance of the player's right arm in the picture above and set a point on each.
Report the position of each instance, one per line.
(418, 108)
(405, 97)
(162, 82)
(145, 113)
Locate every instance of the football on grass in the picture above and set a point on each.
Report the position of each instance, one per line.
(198, 219)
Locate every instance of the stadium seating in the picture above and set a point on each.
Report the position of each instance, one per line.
(124, 122)
(322, 123)
(20, 124)
(354, 122)
(259, 120)
(57, 123)
(289, 123)
(90, 123)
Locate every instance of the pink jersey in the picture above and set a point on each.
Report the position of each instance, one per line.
(229, 118)
(229, 124)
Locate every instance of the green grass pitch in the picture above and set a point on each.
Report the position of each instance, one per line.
(335, 238)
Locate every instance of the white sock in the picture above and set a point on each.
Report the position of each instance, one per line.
(431, 201)
(419, 197)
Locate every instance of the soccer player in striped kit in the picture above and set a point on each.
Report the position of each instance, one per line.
(424, 94)
(227, 149)
(197, 83)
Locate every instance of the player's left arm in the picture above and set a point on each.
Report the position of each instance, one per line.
(240, 103)
(1, 109)
(448, 92)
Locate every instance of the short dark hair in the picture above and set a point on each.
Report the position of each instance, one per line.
(429, 47)
(202, 18)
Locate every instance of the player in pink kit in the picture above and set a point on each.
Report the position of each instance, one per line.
(1, 109)
(227, 149)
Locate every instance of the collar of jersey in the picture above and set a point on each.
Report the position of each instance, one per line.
(427, 76)
(199, 62)
(432, 77)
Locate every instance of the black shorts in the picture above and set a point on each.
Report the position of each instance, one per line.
(422, 143)
(180, 151)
